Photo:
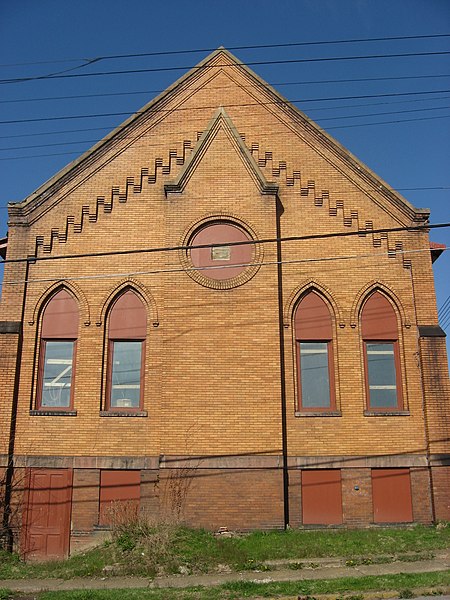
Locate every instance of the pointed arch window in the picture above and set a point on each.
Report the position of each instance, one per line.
(59, 333)
(127, 331)
(314, 349)
(381, 354)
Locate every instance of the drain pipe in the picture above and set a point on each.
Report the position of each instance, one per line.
(9, 476)
(279, 210)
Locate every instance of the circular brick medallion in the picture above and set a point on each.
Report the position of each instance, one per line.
(227, 264)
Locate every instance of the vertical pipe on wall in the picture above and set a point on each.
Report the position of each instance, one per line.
(9, 477)
(279, 211)
(424, 403)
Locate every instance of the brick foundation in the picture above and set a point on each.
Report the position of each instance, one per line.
(441, 488)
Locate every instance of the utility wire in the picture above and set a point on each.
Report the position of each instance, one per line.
(321, 108)
(440, 187)
(395, 112)
(213, 267)
(208, 66)
(232, 48)
(386, 122)
(276, 84)
(444, 313)
(444, 306)
(328, 129)
(239, 105)
(295, 238)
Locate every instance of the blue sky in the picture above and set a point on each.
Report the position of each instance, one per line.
(412, 154)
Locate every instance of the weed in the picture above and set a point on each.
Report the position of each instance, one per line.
(296, 566)
(406, 594)
(416, 557)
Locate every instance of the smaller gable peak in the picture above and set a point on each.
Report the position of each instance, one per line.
(220, 120)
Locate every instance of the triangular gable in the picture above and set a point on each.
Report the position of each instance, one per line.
(223, 58)
(220, 121)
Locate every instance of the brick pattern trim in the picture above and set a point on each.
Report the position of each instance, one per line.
(142, 291)
(311, 285)
(201, 277)
(72, 288)
(390, 294)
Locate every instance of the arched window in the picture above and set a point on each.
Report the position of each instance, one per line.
(314, 347)
(127, 330)
(381, 354)
(59, 333)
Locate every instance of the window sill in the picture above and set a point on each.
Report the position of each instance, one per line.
(318, 413)
(53, 413)
(123, 413)
(386, 413)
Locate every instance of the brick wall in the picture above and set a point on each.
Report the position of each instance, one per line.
(357, 497)
(421, 495)
(441, 487)
(212, 365)
(85, 499)
(233, 498)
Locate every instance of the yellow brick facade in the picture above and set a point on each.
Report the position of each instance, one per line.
(213, 388)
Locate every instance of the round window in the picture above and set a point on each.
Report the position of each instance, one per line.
(223, 261)
(220, 254)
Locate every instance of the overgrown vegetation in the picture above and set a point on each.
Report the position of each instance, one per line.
(138, 546)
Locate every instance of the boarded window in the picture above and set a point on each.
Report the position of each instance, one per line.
(120, 494)
(391, 494)
(321, 497)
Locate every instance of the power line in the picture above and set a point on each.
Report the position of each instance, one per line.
(203, 67)
(232, 48)
(321, 108)
(328, 129)
(444, 306)
(386, 122)
(440, 187)
(240, 105)
(276, 84)
(213, 267)
(426, 109)
(296, 238)
(444, 312)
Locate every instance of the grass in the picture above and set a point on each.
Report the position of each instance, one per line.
(167, 549)
(402, 584)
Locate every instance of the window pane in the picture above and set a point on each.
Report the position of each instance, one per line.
(314, 375)
(382, 376)
(126, 375)
(57, 376)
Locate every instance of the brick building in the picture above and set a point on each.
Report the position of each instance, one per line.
(293, 373)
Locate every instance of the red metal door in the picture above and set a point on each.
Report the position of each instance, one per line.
(391, 494)
(47, 514)
(120, 492)
(322, 497)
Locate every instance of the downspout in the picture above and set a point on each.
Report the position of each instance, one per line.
(9, 477)
(424, 404)
(278, 212)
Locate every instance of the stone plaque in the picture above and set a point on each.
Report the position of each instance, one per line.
(221, 253)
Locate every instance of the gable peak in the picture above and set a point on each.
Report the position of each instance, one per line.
(220, 121)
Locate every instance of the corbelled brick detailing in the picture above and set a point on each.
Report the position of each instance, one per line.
(219, 362)
(121, 195)
(349, 217)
